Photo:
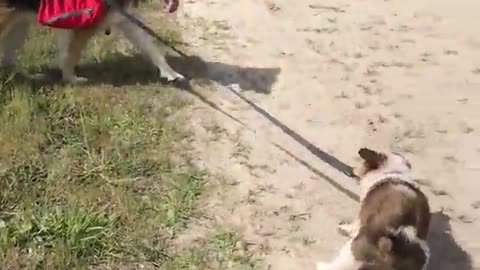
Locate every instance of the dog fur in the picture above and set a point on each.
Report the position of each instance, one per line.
(391, 229)
(17, 15)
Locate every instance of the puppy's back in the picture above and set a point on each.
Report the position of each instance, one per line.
(394, 221)
(394, 203)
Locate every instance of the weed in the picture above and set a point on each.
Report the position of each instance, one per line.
(77, 232)
(221, 250)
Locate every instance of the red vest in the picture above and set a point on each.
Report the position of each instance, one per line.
(68, 14)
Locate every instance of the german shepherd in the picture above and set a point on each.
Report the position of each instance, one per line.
(17, 15)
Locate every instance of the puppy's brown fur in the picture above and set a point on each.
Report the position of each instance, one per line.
(17, 15)
(393, 221)
(385, 212)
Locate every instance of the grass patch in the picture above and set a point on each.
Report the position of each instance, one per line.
(92, 175)
(219, 250)
(97, 176)
(74, 232)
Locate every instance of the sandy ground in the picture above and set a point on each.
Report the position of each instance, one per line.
(402, 75)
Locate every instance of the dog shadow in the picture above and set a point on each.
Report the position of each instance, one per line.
(121, 70)
(446, 254)
(255, 79)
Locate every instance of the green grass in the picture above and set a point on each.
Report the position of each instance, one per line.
(99, 175)
(91, 175)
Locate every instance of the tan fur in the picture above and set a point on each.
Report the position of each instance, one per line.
(14, 24)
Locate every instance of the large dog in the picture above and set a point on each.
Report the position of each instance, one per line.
(391, 229)
(17, 15)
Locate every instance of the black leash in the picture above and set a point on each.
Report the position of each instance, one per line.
(324, 156)
(332, 182)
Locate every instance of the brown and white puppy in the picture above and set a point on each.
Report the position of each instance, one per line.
(17, 15)
(391, 229)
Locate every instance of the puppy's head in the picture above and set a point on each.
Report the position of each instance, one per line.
(378, 162)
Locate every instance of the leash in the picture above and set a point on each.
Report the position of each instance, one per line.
(322, 155)
(339, 187)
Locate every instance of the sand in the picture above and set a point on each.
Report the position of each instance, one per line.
(399, 75)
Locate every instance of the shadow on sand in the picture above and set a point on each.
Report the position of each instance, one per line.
(121, 70)
(446, 254)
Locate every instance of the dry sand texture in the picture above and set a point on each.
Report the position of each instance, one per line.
(402, 75)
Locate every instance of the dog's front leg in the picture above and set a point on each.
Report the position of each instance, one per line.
(71, 44)
(149, 46)
(13, 40)
(349, 229)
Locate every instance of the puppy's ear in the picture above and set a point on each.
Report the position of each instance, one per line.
(374, 159)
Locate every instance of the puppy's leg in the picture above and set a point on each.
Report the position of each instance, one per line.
(349, 229)
(71, 45)
(344, 260)
(149, 46)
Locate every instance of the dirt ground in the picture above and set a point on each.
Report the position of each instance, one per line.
(401, 75)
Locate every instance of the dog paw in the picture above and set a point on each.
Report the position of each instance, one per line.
(175, 78)
(171, 76)
(323, 266)
(25, 75)
(75, 80)
(36, 76)
(345, 229)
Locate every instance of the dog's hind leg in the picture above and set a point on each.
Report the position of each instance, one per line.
(13, 38)
(149, 46)
(71, 44)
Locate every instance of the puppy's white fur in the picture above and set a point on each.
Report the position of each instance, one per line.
(395, 167)
(344, 260)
